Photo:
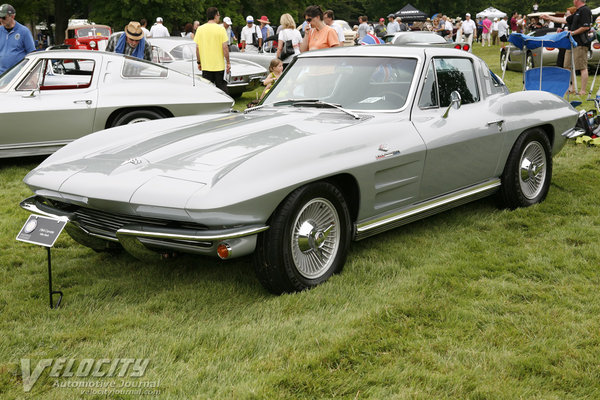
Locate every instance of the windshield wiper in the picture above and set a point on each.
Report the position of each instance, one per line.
(316, 103)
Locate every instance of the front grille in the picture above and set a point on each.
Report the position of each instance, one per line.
(107, 223)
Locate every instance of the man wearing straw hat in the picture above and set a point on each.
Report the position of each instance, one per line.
(131, 42)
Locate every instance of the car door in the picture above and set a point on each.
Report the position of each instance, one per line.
(54, 103)
(462, 148)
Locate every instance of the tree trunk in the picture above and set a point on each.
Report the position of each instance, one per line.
(61, 15)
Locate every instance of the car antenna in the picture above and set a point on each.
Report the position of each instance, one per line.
(193, 72)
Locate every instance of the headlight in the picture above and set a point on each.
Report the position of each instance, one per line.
(92, 44)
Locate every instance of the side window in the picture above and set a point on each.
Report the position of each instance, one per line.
(429, 95)
(33, 78)
(136, 68)
(456, 74)
(60, 74)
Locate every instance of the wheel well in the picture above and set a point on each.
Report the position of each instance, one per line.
(549, 131)
(349, 187)
(115, 114)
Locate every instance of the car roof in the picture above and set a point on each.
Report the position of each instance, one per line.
(387, 50)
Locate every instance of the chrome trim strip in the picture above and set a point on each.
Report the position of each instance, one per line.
(573, 133)
(35, 144)
(202, 236)
(363, 228)
(29, 204)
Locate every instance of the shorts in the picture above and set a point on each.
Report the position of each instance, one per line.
(503, 38)
(485, 36)
(580, 53)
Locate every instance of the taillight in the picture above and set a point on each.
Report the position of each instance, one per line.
(596, 45)
(457, 46)
(550, 48)
(466, 47)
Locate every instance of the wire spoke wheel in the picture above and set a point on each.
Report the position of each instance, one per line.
(532, 170)
(315, 238)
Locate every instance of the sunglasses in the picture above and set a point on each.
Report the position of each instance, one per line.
(308, 19)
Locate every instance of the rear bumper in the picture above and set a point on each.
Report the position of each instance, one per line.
(143, 240)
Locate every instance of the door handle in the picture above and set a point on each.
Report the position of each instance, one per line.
(498, 122)
(88, 102)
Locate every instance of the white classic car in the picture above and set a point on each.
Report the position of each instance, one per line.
(53, 97)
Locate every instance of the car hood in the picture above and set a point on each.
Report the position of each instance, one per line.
(178, 155)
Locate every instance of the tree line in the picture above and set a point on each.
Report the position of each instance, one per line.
(176, 13)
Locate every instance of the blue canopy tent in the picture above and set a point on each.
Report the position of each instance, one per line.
(550, 79)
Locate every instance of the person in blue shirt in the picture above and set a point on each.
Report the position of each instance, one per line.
(15, 40)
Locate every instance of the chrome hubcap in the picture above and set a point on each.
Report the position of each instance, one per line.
(532, 170)
(137, 120)
(315, 238)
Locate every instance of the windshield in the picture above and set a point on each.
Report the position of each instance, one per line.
(9, 74)
(184, 52)
(356, 83)
(419, 38)
(93, 31)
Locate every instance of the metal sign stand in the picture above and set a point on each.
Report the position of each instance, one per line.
(44, 231)
(50, 291)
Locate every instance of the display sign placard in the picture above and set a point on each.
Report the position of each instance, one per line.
(41, 230)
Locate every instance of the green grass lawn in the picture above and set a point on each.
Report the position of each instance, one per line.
(474, 303)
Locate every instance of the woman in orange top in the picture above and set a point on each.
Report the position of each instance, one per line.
(319, 36)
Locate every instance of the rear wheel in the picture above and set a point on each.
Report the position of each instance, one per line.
(135, 116)
(529, 63)
(307, 241)
(503, 60)
(528, 170)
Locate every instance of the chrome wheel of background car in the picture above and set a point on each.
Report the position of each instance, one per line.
(529, 64)
(315, 238)
(528, 171)
(307, 240)
(136, 116)
(533, 170)
(503, 60)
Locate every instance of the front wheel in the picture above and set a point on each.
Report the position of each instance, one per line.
(528, 170)
(307, 241)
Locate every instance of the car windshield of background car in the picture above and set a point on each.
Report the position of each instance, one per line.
(95, 31)
(10, 73)
(184, 52)
(419, 38)
(355, 83)
(135, 68)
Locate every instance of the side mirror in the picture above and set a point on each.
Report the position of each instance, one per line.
(32, 93)
(455, 102)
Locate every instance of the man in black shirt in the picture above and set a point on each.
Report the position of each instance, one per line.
(578, 24)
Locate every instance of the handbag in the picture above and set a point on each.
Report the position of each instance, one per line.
(288, 49)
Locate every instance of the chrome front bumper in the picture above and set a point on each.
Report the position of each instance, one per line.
(146, 241)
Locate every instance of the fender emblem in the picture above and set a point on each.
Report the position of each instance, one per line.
(134, 161)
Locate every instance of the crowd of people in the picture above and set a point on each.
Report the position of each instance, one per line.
(215, 39)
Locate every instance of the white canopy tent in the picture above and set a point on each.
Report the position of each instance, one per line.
(596, 11)
(491, 13)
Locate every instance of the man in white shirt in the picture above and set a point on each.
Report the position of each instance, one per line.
(469, 30)
(328, 19)
(503, 30)
(247, 38)
(393, 26)
(158, 29)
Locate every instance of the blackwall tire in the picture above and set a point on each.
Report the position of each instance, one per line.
(307, 241)
(528, 171)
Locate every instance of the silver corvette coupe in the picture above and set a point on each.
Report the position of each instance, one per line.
(180, 54)
(53, 97)
(349, 143)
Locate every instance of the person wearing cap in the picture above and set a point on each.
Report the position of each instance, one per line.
(131, 42)
(158, 29)
(328, 18)
(393, 26)
(495, 31)
(16, 40)
(319, 35)
(469, 30)
(380, 29)
(251, 37)
(227, 24)
(212, 49)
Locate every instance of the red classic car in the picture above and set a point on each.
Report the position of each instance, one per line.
(86, 37)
